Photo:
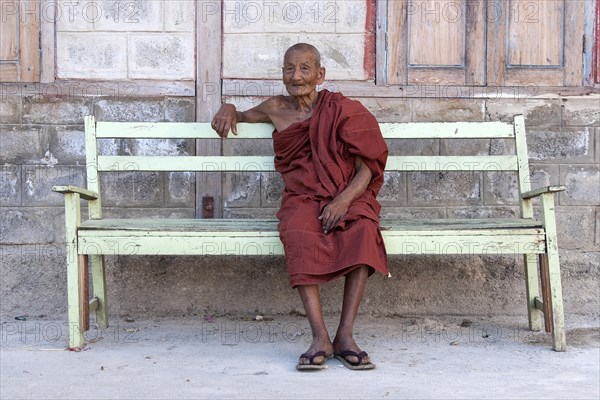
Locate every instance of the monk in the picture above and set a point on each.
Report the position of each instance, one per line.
(331, 155)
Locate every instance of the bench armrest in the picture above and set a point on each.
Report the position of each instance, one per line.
(83, 193)
(538, 192)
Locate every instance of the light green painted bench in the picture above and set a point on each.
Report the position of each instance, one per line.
(88, 241)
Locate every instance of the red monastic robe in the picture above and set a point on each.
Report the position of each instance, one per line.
(316, 159)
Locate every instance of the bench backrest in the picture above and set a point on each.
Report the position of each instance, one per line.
(96, 163)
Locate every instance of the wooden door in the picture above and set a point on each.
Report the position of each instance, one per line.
(436, 42)
(20, 41)
(535, 42)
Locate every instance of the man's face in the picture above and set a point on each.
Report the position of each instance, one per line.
(301, 74)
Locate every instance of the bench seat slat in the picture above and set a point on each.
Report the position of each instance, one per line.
(203, 130)
(178, 243)
(266, 225)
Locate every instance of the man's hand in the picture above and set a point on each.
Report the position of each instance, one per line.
(225, 120)
(332, 213)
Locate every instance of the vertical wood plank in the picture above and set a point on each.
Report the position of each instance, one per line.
(381, 20)
(47, 65)
(574, 30)
(29, 38)
(476, 46)
(496, 42)
(208, 96)
(9, 36)
(597, 44)
(397, 42)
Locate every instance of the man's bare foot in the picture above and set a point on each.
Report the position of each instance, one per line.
(347, 351)
(316, 355)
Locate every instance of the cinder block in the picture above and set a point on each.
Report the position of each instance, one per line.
(39, 225)
(571, 145)
(583, 185)
(412, 147)
(22, 144)
(150, 213)
(250, 213)
(29, 273)
(342, 55)
(388, 110)
(161, 147)
(91, 55)
(410, 213)
(597, 145)
(10, 185)
(460, 147)
(349, 16)
(132, 189)
(248, 17)
(10, 106)
(129, 16)
(262, 60)
(67, 144)
(271, 189)
(483, 212)
(162, 56)
(180, 189)
(303, 16)
(180, 16)
(241, 189)
(581, 111)
(38, 182)
(444, 189)
(500, 188)
(142, 110)
(55, 110)
(248, 147)
(537, 112)
(448, 110)
(576, 228)
(180, 110)
(393, 192)
(541, 175)
(254, 92)
(72, 16)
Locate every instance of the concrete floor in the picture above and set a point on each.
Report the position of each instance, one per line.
(237, 357)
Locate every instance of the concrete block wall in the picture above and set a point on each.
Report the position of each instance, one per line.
(344, 38)
(41, 144)
(141, 39)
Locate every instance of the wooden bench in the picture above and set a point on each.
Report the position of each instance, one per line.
(96, 237)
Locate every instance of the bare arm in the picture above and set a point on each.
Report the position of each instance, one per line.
(338, 207)
(227, 117)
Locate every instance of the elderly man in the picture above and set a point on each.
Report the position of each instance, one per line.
(331, 155)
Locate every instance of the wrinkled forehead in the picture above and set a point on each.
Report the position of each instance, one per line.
(299, 57)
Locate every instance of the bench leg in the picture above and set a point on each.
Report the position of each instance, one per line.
(553, 304)
(99, 290)
(559, 342)
(75, 278)
(533, 292)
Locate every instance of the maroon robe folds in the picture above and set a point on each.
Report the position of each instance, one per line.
(316, 159)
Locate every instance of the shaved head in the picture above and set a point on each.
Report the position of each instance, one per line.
(305, 47)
